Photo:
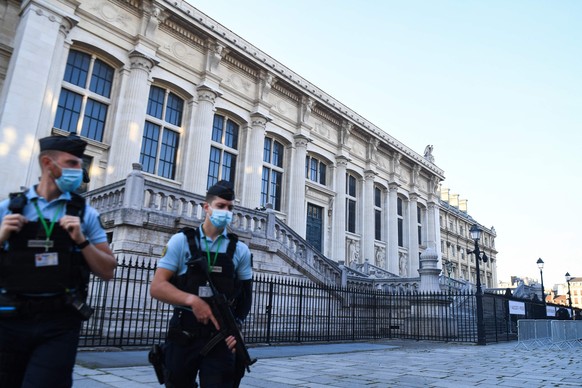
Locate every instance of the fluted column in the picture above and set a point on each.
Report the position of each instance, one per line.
(393, 259)
(432, 227)
(254, 161)
(297, 214)
(127, 137)
(38, 47)
(202, 135)
(413, 251)
(339, 210)
(368, 216)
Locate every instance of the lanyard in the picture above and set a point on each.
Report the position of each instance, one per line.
(211, 265)
(48, 229)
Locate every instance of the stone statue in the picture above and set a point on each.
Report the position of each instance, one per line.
(428, 153)
(403, 265)
(307, 105)
(380, 257)
(353, 253)
(267, 82)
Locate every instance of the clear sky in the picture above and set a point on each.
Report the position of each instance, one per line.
(494, 85)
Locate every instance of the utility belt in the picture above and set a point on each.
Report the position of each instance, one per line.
(188, 329)
(26, 306)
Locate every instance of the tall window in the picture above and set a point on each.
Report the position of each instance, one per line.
(223, 151)
(400, 215)
(377, 213)
(351, 203)
(85, 96)
(315, 170)
(161, 133)
(272, 173)
(419, 224)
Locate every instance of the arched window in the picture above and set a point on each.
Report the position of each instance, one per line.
(315, 170)
(223, 151)
(351, 199)
(85, 96)
(272, 178)
(161, 133)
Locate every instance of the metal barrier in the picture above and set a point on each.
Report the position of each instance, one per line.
(291, 311)
(549, 334)
(566, 334)
(534, 333)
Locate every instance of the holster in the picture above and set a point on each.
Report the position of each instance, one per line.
(156, 358)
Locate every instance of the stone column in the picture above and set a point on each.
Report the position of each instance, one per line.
(196, 176)
(38, 48)
(339, 211)
(253, 167)
(128, 134)
(393, 259)
(368, 216)
(297, 213)
(413, 251)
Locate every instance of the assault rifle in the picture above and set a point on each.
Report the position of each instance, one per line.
(228, 325)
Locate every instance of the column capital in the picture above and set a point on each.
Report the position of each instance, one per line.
(370, 174)
(393, 186)
(259, 120)
(141, 61)
(207, 94)
(301, 140)
(342, 160)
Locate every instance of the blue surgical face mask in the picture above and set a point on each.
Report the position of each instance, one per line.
(70, 179)
(220, 218)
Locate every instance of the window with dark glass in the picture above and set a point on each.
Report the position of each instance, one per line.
(272, 176)
(377, 213)
(223, 151)
(351, 203)
(400, 215)
(419, 223)
(85, 96)
(161, 134)
(315, 170)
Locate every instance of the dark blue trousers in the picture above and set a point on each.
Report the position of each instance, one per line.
(40, 351)
(182, 361)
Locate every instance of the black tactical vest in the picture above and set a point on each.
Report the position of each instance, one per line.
(21, 269)
(222, 274)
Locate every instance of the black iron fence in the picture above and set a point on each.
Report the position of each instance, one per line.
(291, 311)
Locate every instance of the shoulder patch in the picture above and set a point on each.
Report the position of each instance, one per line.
(100, 221)
(164, 251)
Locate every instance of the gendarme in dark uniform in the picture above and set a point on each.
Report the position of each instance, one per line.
(50, 242)
(193, 324)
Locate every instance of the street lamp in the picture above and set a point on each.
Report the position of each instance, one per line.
(568, 277)
(475, 232)
(540, 264)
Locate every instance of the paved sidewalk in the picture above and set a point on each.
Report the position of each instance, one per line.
(391, 363)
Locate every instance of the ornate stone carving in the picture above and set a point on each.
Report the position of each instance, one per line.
(214, 55)
(266, 83)
(307, 105)
(141, 61)
(205, 94)
(345, 132)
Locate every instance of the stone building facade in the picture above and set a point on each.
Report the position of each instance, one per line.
(170, 101)
(457, 245)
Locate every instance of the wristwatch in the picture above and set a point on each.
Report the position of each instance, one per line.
(84, 244)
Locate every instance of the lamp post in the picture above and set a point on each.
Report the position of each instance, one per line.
(475, 232)
(540, 264)
(568, 277)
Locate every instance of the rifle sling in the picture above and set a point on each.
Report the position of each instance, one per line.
(220, 336)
